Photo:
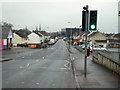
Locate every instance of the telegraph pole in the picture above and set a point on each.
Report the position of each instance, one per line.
(86, 33)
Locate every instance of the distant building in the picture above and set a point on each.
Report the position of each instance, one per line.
(67, 32)
(6, 39)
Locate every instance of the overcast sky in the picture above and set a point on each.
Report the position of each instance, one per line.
(53, 15)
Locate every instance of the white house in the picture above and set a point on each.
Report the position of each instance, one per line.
(35, 39)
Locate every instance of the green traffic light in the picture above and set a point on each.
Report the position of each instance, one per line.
(92, 26)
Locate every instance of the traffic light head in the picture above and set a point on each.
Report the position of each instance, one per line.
(92, 26)
(93, 20)
(83, 20)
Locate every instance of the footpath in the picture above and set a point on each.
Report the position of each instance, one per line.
(97, 76)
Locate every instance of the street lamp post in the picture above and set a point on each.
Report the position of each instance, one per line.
(70, 34)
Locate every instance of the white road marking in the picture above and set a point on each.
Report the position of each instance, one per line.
(37, 60)
(67, 61)
(38, 83)
(28, 65)
(67, 65)
(43, 57)
(43, 67)
(22, 67)
(62, 68)
(23, 57)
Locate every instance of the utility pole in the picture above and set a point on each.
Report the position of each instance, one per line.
(86, 33)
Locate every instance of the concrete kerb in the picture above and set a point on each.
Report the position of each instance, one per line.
(5, 59)
(74, 71)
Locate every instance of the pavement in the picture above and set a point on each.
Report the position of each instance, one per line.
(97, 76)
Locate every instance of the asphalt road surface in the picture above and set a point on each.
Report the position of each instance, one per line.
(40, 68)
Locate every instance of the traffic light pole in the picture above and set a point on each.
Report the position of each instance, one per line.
(86, 31)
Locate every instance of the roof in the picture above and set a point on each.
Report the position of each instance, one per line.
(110, 40)
(38, 33)
(117, 35)
(44, 33)
(5, 31)
(109, 35)
(101, 41)
(93, 33)
(114, 41)
(23, 33)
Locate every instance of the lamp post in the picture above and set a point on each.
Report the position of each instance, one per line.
(70, 33)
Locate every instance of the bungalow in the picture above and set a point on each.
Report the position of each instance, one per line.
(96, 35)
(6, 39)
(35, 39)
(20, 37)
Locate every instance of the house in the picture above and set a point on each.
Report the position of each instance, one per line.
(6, 39)
(35, 39)
(102, 43)
(45, 34)
(20, 37)
(96, 35)
(114, 43)
(116, 36)
(109, 36)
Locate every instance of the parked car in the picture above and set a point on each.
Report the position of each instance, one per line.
(83, 46)
(51, 42)
(98, 48)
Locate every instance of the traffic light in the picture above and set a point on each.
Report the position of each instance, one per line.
(93, 20)
(83, 20)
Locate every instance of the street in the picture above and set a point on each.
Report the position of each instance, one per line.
(52, 68)
(42, 68)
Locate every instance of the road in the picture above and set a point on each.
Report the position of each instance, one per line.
(40, 68)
